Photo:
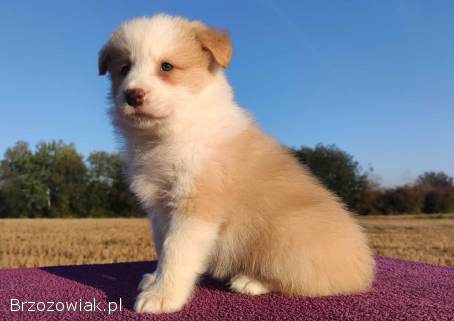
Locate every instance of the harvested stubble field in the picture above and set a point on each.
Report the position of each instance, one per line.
(46, 242)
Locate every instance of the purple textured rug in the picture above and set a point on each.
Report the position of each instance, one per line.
(403, 290)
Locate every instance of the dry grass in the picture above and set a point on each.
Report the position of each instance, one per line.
(42, 242)
(45, 242)
(413, 238)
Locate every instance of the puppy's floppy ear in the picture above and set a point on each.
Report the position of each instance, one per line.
(216, 42)
(104, 59)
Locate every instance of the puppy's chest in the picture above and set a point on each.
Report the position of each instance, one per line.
(165, 174)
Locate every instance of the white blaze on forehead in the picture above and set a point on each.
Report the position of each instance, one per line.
(156, 36)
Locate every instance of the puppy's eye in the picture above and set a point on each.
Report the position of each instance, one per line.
(166, 67)
(125, 69)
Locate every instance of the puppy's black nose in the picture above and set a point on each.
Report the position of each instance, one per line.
(135, 97)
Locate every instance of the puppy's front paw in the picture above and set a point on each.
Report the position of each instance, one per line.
(147, 280)
(155, 299)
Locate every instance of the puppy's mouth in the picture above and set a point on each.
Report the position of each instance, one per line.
(138, 114)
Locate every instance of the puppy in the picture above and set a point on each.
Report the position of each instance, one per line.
(222, 196)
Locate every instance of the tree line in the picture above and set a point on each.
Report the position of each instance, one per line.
(55, 180)
(431, 192)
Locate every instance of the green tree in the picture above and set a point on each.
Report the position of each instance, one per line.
(435, 179)
(108, 192)
(103, 166)
(63, 171)
(439, 200)
(2, 202)
(122, 201)
(339, 172)
(99, 183)
(438, 188)
(47, 183)
(401, 200)
(23, 192)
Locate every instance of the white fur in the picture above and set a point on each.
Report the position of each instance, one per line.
(160, 221)
(244, 284)
(147, 280)
(185, 252)
(191, 136)
(194, 124)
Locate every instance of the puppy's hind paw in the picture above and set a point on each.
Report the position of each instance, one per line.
(147, 280)
(244, 284)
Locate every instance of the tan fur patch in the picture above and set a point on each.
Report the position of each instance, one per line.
(191, 66)
(217, 42)
(279, 225)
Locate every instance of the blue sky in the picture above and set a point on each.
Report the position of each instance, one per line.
(376, 78)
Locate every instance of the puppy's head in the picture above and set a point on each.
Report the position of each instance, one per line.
(159, 66)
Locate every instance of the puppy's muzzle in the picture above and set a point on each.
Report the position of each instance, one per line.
(135, 97)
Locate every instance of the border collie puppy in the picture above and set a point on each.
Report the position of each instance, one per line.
(223, 197)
